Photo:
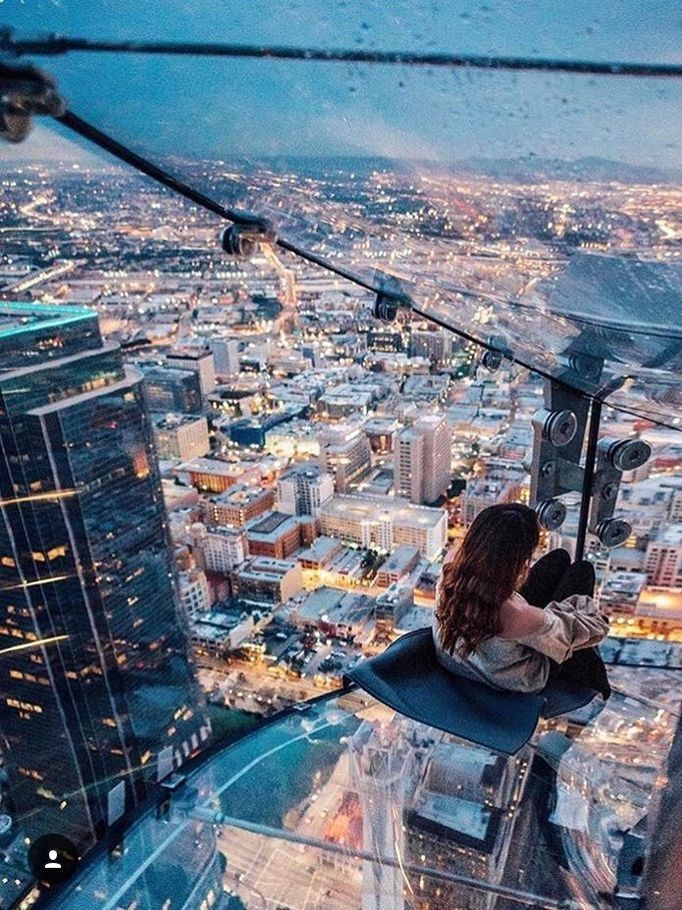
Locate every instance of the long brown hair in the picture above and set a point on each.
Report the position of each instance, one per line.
(485, 572)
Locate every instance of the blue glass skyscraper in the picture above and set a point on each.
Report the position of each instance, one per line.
(109, 701)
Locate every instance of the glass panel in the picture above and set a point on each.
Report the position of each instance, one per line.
(515, 207)
(348, 801)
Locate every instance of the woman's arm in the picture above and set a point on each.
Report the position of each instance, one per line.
(568, 626)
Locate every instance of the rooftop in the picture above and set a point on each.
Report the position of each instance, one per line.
(17, 318)
(399, 558)
(270, 525)
(461, 815)
(321, 548)
(239, 494)
(672, 535)
(265, 568)
(336, 606)
(213, 466)
(173, 421)
(382, 509)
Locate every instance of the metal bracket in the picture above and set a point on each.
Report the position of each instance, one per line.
(613, 458)
(242, 239)
(498, 350)
(558, 434)
(391, 297)
(25, 91)
(627, 895)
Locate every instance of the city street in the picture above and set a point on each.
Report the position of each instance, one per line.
(281, 874)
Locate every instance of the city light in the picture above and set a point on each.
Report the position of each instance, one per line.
(51, 496)
(39, 643)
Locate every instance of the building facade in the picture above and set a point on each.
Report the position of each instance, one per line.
(86, 567)
(226, 355)
(303, 490)
(274, 534)
(199, 362)
(180, 437)
(421, 461)
(218, 549)
(238, 505)
(195, 594)
(171, 390)
(663, 563)
(345, 454)
(267, 581)
(385, 524)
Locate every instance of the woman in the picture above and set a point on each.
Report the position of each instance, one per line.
(510, 626)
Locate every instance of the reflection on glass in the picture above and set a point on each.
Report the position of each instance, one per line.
(504, 202)
(349, 804)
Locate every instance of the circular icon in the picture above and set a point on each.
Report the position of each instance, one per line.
(53, 858)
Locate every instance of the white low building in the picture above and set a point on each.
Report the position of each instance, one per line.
(385, 523)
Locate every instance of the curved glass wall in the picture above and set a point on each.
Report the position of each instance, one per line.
(348, 804)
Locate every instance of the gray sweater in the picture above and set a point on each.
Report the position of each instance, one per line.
(523, 664)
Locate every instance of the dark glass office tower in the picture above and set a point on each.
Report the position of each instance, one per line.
(108, 701)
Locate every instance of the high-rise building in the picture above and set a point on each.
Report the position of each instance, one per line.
(392, 605)
(421, 461)
(675, 513)
(195, 594)
(434, 345)
(273, 534)
(199, 362)
(169, 390)
(267, 581)
(238, 505)
(226, 355)
(303, 489)
(663, 563)
(181, 436)
(384, 341)
(385, 523)
(345, 453)
(218, 549)
(381, 768)
(102, 697)
(462, 816)
(213, 475)
(398, 566)
(491, 490)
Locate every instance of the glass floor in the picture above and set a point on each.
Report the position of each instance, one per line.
(347, 804)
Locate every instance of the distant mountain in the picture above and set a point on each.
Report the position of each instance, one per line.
(602, 170)
(47, 148)
(529, 169)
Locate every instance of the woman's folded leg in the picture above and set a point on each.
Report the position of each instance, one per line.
(577, 578)
(587, 668)
(544, 576)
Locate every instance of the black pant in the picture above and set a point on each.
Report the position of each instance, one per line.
(554, 578)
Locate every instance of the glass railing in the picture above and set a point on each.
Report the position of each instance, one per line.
(347, 804)
(499, 200)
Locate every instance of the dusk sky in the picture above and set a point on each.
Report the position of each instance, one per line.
(216, 108)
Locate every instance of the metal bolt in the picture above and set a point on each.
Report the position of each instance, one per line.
(609, 491)
(548, 469)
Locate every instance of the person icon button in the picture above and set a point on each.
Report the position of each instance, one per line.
(52, 858)
(53, 864)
